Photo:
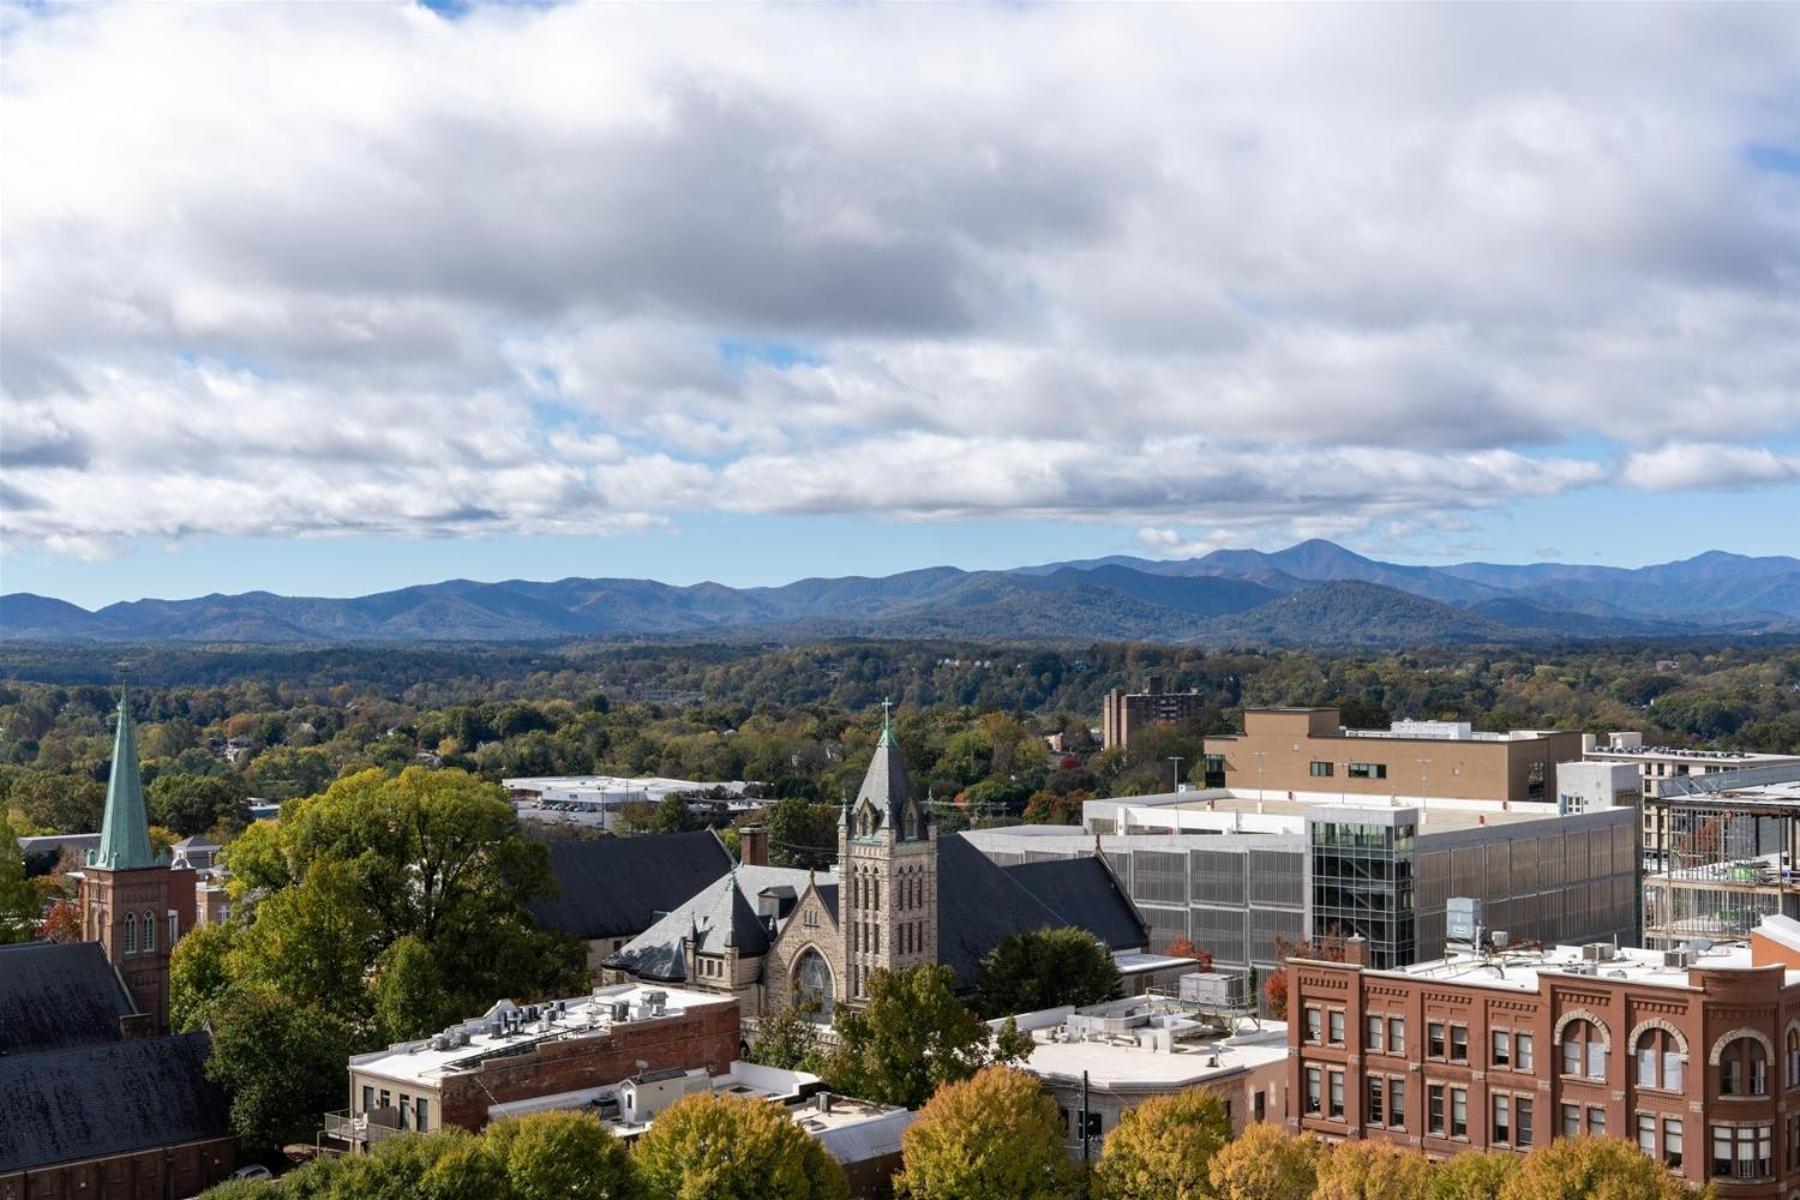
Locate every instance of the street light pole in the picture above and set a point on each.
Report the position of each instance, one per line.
(1177, 760)
(1259, 755)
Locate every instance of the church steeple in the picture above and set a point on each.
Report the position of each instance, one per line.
(125, 829)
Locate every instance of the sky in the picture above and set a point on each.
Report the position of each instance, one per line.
(326, 299)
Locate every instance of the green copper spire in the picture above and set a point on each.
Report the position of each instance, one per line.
(125, 830)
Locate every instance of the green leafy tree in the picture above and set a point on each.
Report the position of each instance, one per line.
(708, 1147)
(434, 856)
(788, 1038)
(20, 905)
(801, 833)
(1592, 1168)
(1471, 1176)
(411, 999)
(1163, 1148)
(199, 973)
(994, 1136)
(1371, 1171)
(911, 1037)
(1042, 969)
(59, 803)
(193, 804)
(1263, 1163)
(281, 1063)
(563, 1156)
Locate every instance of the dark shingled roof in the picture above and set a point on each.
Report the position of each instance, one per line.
(616, 887)
(1083, 892)
(57, 995)
(66, 1105)
(711, 914)
(980, 903)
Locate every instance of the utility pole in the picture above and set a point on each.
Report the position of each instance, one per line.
(1177, 760)
(1423, 763)
(1259, 755)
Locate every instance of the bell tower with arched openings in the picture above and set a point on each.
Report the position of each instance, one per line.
(887, 872)
(132, 903)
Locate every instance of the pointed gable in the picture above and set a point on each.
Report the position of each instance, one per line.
(125, 829)
(888, 789)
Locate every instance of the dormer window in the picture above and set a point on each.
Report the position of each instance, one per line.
(912, 822)
(865, 821)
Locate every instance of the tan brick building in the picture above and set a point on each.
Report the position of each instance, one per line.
(1306, 751)
(1695, 1056)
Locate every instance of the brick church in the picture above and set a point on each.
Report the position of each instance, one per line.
(97, 1097)
(901, 894)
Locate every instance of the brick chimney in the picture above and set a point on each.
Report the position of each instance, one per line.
(1356, 950)
(753, 846)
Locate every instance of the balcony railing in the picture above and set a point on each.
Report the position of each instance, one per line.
(361, 1128)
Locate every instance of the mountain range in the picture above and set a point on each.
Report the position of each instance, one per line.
(1313, 593)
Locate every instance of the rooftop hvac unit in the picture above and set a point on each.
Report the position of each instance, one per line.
(1599, 952)
(1678, 959)
(1584, 968)
(621, 1010)
(1462, 918)
(1498, 939)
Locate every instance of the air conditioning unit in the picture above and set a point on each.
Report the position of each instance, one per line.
(1498, 939)
(1678, 959)
(1599, 952)
(1584, 968)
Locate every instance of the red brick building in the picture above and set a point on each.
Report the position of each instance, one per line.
(1694, 1056)
(511, 1054)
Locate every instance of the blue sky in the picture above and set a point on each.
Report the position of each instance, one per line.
(760, 293)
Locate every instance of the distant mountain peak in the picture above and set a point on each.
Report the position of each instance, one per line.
(1313, 592)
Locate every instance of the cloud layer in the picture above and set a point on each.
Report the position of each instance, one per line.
(280, 269)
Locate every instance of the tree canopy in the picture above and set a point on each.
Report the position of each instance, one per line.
(709, 1147)
(911, 1037)
(1045, 968)
(994, 1136)
(1591, 1168)
(1363, 1170)
(1263, 1163)
(1163, 1149)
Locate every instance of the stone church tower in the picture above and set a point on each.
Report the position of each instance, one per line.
(887, 874)
(132, 903)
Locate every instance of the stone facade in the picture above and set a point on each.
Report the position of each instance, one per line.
(887, 869)
(811, 935)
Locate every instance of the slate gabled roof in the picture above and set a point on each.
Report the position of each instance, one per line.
(1083, 892)
(887, 786)
(660, 952)
(115, 1098)
(53, 996)
(614, 887)
(980, 903)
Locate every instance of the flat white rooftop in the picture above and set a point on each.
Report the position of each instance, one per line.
(1519, 970)
(1140, 1044)
(427, 1061)
(1244, 810)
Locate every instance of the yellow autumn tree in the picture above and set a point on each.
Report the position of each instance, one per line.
(1263, 1163)
(996, 1136)
(1594, 1168)
(1371, 1171)
(1472, 1175)
(1163, 1148)
(708, 1147)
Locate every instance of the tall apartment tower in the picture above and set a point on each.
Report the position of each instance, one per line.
(132, 903)
(887, 889)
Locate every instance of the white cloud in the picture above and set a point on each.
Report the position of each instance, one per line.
(317, 269)
(1689, 466)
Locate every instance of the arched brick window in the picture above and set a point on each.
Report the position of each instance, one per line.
(1742, 1057)
(1793, 1054)
(149, 935)
(1582, 1041)
(131, 933)
(1660, 1053)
